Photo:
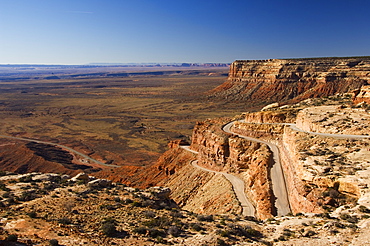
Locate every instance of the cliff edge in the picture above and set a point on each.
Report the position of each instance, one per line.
(292, 80)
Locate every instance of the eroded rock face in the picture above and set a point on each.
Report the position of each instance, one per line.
(211, 143)
(248, 160)
(362, 95)
(292, 80)
(267, 117)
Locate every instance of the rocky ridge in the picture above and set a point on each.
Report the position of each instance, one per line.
(292, 80)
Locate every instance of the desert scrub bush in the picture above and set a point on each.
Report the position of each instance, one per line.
(53, 242)
(247, 231)
(109, 228)
(27, 196)
(148, 203)
(25, 179)
(159, 222)
(149, 214)
(7, 195)
(107, 207)
(136, 204)
(140, 230)
(128, 201)
(32, 214)
(173, 231)
(220, 242)
(3, 187)
(155, 233)
(65, 221)
(176, 214)
(223, 233)
(351, 219)
(363, 209)
(208, 218)
(251, 218)
(12, 238)
(288, 233)
(309, 233)
(196, 226)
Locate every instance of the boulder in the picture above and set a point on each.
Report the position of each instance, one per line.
(101, 183)
(79, 177)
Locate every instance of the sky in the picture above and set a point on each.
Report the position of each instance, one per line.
(166, 31)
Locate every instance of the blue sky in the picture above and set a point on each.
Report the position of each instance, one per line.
(122, 31)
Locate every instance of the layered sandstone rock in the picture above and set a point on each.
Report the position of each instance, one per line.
(362, 95)
(292, 80)
(250, 161)
(266, 117)
(334, 119)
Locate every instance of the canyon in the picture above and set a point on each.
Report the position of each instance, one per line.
(309, 173)
(310, 118)
(318, 118)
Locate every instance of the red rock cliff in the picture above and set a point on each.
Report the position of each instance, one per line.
(292, 80)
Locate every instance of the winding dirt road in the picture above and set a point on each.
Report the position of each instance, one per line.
(236, 182)
(277, 175)
(295, 128)
(62, 146)
(331, 135)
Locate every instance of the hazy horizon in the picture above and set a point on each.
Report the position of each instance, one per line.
(81, 32)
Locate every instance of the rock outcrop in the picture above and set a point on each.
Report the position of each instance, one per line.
(293, 80)
(362, 95)
(204, 192)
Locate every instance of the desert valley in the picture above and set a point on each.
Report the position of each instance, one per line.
(256, 152)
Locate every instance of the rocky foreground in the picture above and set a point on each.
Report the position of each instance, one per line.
(51, 209)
